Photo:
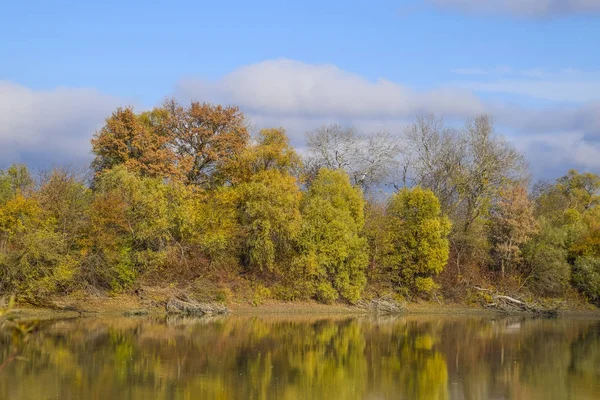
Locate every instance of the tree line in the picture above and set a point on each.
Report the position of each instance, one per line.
(184, 195)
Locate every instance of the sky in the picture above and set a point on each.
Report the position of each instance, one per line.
(532, 64)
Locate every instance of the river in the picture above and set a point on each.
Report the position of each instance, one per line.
(302, 357)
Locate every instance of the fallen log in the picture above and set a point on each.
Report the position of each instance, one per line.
(194, 308)
(385, 305)
(509, 304)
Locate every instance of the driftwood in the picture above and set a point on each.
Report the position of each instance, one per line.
(385, 305)
(509, 304)
(191, 307)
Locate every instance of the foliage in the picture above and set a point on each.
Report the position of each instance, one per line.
(586, 277)
(512, 224)
(333, 252)
(270, 217)
(271, 150)
(546, 261)
(203, 137)
(130, 227)
(417, 246)
(183, 194)
(136, 142)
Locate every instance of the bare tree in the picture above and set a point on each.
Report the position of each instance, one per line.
(466, 169)
(368, 159)
(492, 163)
(434, 158)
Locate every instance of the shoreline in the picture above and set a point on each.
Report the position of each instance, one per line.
(130, 306)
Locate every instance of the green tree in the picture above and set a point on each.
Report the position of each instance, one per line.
(586, 277)
(13, 180)
(270, 215)
(545, 260)
(36, 258)
(333, 252)
(417, 245)
(130, 228)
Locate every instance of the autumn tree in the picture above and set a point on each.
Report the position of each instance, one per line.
(269, 198)
(270, 214)
(333, 253)
(203, 136)
(512, 224)
(66, 198)
(568, 242)
(466, 169)
(417, 245)
(270, 150)
(582, 190)
(138, 142)
(130, 228)
(36, 257)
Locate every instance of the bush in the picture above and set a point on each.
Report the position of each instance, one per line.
(586, 277)
(550, 271)
(326, 293)
(425, 285)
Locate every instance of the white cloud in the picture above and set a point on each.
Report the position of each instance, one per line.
(292, 88)
(521, 8)
(41, 127)
(300, 97)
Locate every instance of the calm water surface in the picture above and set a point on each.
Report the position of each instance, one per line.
(417, 357)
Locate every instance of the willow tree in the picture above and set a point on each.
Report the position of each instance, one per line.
(417, 243)
(269, 200)
(333, 252)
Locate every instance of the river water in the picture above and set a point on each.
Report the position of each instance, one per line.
(302, 357)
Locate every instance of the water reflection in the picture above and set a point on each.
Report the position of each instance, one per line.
(303, 358)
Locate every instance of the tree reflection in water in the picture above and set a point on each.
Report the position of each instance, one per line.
(304, 358)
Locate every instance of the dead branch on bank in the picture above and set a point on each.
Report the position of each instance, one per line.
(385, 305)
(509, 304)
(185, 305)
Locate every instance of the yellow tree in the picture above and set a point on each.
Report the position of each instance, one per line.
(333, 252)
(269, 198)
(271, 150)
(130, 227)
(417, 243)
(270, 215)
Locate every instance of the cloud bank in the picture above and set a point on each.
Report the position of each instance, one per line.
(45, 127)
(302, 96)
(290, 88)
(42, 127)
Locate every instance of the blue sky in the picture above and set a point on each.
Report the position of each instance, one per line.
(534, 64)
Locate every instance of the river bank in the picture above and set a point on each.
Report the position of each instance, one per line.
(131, 305)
